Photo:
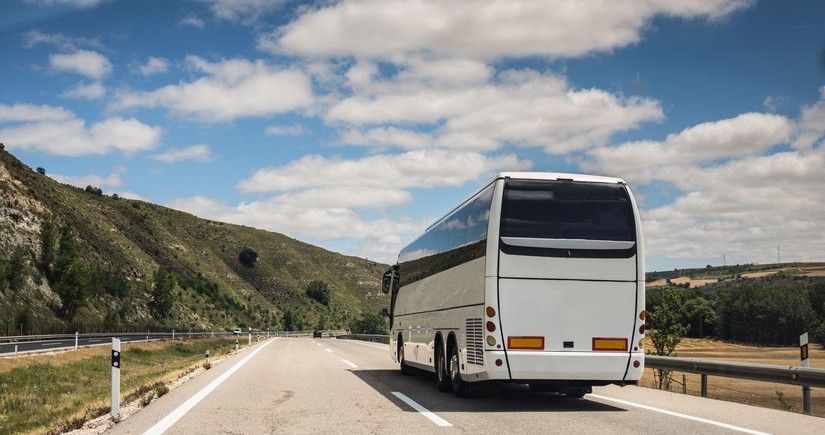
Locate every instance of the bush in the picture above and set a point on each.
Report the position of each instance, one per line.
(248, 257)
(370, 324)
(319, 291)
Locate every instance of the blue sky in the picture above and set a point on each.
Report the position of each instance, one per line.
(353, 124)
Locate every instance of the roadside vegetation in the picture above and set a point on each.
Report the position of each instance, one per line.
(58, 392)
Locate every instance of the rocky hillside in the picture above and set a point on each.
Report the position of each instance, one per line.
(102, 256)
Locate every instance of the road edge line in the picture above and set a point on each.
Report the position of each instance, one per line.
(680, 415)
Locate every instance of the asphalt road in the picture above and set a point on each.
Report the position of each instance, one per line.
(339, 386)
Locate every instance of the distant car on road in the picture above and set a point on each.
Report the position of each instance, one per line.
(317, 334)
(237, 331)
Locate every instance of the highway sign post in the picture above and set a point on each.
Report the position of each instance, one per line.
(803, 356)
(116, 378)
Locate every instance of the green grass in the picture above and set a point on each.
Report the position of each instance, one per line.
(44, 393)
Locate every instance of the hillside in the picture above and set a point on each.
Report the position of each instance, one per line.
(121, 244)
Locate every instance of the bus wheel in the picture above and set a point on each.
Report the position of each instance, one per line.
(442, 376)
(405, 369)
(459, 386)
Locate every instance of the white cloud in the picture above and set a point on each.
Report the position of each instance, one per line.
(525, 108)
(198, 153)
(112, 180)
(745, 135)
(193, 21)
(59, 40)
(481, 30)
(82, 91)
(75, 3)
(285, 130)
(84, 62)
(744, 209)
(55, 130)
(388, 136)
(129, 195)
(243, 11)
(811, 124)
(230, 89)
(421, 168)
(154, 65)
(32, 113)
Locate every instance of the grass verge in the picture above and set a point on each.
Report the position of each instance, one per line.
(58, 392)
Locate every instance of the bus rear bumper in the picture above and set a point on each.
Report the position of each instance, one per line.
(532, 365)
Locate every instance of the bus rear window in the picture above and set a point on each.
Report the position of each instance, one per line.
(545, 209)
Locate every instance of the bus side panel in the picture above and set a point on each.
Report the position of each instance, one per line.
(442, 302)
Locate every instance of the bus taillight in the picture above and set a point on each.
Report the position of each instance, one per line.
(491, 326)
(642, 329)
(491, 312)
(642, 315)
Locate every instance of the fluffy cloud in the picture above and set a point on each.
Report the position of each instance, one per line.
(198, 153)
(193, 21)
(243, 11)
(58, 131)
(518, 107)
(481, 30)
(91, 91)
(84, 62)
(229, 89)
(285, 130)
(154, 65)
(744, 209)
(811, 123)
(113, 180)
(59, 40)
(422, 168)
(745, 135)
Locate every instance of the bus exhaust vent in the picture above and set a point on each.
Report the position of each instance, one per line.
(475, 342)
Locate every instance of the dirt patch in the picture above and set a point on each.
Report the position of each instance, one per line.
(759, 274)
(657, 283)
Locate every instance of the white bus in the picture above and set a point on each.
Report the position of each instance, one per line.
(536, 278)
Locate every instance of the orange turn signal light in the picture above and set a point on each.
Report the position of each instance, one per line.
(642, 315)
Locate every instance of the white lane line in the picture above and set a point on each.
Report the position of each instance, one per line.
(181, 410)
(424, 411)
(349, 364)
(328, 350)
(384, 347)
(317, 344)
(676, 414)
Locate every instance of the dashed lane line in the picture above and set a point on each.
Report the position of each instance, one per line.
(349, 364)
(422, 410)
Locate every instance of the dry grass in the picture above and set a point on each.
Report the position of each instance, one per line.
(59, 391)
(770, 395)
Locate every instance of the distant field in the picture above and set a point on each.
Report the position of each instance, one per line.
(742, 391)
(701, 277)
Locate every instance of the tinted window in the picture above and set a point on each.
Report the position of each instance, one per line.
(567, 210)
(454, 240)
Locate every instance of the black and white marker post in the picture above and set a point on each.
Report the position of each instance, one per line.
(116, 379)
(803, 356)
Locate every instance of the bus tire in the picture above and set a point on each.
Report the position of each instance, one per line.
(459, 386)
(405, 369)
(442, 376)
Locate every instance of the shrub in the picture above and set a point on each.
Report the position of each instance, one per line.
(319, 291)
(248, 257)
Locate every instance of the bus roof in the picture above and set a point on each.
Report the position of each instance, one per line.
(559, 176)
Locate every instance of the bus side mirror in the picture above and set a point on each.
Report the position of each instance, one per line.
(387, 281)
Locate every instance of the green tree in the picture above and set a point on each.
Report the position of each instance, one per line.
(163, 299)
(17, 271)
(73, 288)
(66, 252)
(48, 243)
(41, 170)
(290, 323)
(319, 291)
(248, 257)
(666, 332)
(699, 315)
(370, 323)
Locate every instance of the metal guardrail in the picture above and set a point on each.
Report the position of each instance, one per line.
(801, 376)
(367, 337)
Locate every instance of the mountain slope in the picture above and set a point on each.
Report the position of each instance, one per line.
(122, 243)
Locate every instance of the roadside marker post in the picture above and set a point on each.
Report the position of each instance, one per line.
(76, 336)
(250, 339)
(236, 345)
(173, 333)
(116, 379)
(803, 356)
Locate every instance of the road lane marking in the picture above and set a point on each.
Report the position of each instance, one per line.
(424, 411)
(328, 350)
(181, 410)
(384, 347)
(676, 414)
(349, 364)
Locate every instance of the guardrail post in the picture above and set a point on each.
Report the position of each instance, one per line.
(250, 339)
(15, 350)
(684, 384)
(704, 385)
(173, 333)
(803, 356)
(236, 345)
(76, 336)
(116, 378)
